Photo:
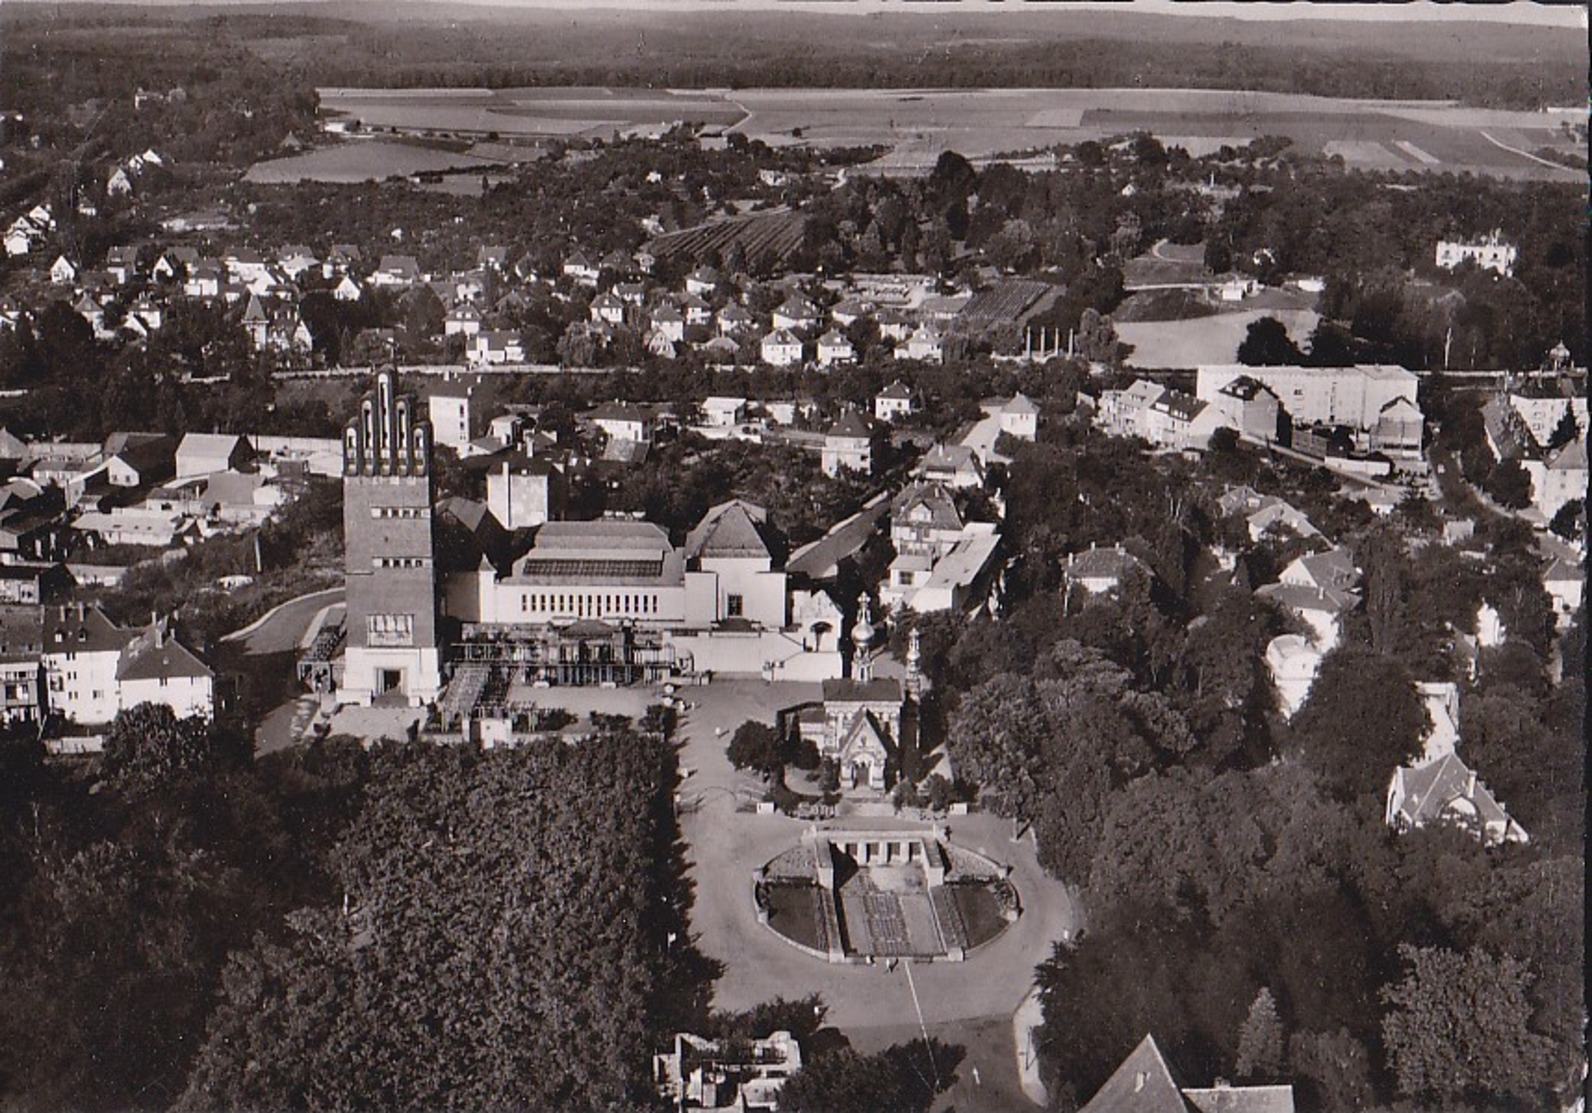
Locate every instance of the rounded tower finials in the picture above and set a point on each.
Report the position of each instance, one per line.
(862, 640)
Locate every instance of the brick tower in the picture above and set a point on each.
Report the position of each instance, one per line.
(387, 539)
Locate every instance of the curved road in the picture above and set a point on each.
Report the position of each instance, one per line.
(281, 629)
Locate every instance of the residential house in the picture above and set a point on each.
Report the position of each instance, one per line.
(781, 348)
(295, 259)
(697, 312)
(95, 669)
(1125, 412)
(348, 289)
(734, 318)
(121, 263)
(924, 344)
(1565, 584)
(175, 262)
(21, 674)
(1557, 477)
(495, 346)
(623, 421)
(205, 279)
(834, 348)
(847, 446)
(1019, 417)
(1101, 571)
(668, 323)
(960, 581)
(1182, 421)
(154, 667)
(1491, 252)
(894, 401)
(955, 465)
(1332, 570)
(581, 269)
(1320, 608)
(1145, 1083)
(81, 652)
(702, 282)
(63, 272)
(796, 313)
(722, 412)
(1249, 408)
(924, 520)
(464, 319)
(207, 453)
(397, 270)
(139, 459)
(607, 307)
(1265, 512)
(492, 255)
(1293, 661)
(245, 265)
(1446, 790)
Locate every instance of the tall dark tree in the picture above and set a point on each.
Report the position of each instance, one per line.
(1267, 343)
(1362, 719)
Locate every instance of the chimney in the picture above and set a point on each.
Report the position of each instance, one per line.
(1470, 784)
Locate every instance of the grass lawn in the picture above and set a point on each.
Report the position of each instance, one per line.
(793, 912)
(981, 916)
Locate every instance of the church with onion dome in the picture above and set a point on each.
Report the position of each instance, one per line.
(859, 726)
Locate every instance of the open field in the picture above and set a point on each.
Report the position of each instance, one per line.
(1186, 344)
(359, 161)
(918, 124)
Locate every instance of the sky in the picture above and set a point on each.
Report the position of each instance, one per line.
(1517, 11)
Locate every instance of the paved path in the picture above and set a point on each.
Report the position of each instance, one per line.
(1025, 1026)
(725, 846)
(282, 627)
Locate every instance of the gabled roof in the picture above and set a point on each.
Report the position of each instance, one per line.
(942, 507)
(155, 655)
(1142, 1084)
(21, 632)
(1562, 571)
(948, 457)
(74, 629)
(1020, 404)
(1298, 597)
(1571, 457)
(729, 531)
(620, 411)
(1114, 562)
(405, 265)
(1446, 788)
(849, 425)
(896, 390)
(781, 336)
(863, 736)
(1333, 568)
